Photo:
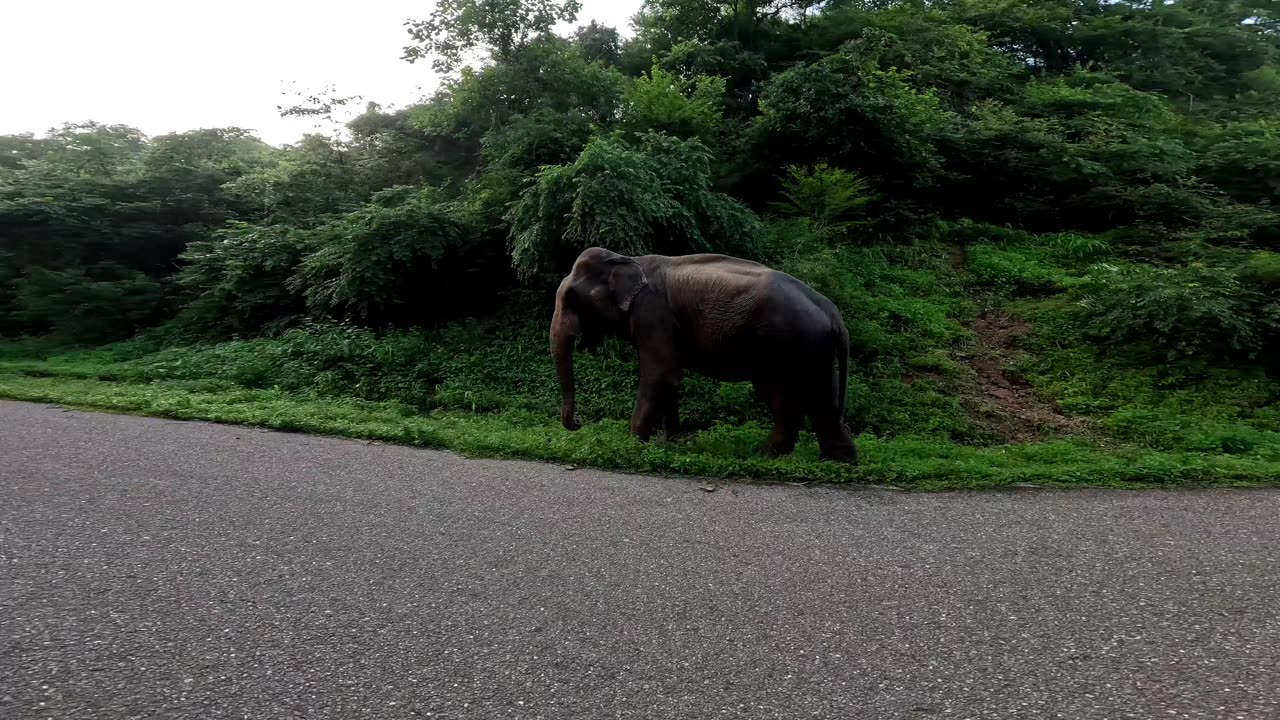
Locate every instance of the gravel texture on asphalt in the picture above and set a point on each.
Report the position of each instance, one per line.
(160, 569)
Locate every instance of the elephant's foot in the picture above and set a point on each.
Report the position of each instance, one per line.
(641, 432)
(845, 451)
(846, 457)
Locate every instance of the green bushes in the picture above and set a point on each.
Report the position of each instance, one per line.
(396, 260)
(846, 109)
(91, 305)
(1197, 311)
(1262, 271)
(663, 103)
(650, 197)
(1011, 272)
(239, 282)
(407, 257)
(833, 200)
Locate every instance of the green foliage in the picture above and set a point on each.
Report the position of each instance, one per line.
(1182, 405)
(238, 281)
(90, 150)
(1243, 159)
(650, 197)
(299, 186)
(834, 200)
(456, 27)
(17, 150)
(513, 155)
(97, 304)
(393, 260)
(545, 137)
(1085, 152)
(846, 109)
(1012, 273)
(662, 102)
(599, 43)
(547, 74)
(1193, 311)
(953, 60)
(1194, 49)
(742, 70)
(1262, 270)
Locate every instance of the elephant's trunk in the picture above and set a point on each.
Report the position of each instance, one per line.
(563, 333)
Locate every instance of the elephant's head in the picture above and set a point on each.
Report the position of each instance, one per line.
(593, 301)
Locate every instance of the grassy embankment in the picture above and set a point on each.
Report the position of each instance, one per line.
(973, 370)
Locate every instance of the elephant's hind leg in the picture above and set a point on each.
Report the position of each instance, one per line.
(834, 441)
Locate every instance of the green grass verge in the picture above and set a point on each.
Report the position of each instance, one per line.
(721, 452)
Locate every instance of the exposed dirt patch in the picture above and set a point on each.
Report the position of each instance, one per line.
(1013, 410)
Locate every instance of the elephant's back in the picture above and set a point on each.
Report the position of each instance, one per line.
(736, 314)
(726, 272)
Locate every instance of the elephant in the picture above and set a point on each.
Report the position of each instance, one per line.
(719, 316)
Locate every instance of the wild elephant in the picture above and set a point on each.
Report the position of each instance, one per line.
(720, 316)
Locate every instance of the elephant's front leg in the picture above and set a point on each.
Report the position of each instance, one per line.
(656, 400)
(671, 414)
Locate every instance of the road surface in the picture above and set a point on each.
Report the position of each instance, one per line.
(159, 569)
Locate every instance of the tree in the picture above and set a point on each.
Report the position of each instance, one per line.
(599, 43)
(21, 148)
(653, 196)
(91, 149)
(401, 259)
(547, 74)
(849, 111)
(661, 102)
(457, 27)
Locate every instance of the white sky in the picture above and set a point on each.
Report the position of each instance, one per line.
(173, 65)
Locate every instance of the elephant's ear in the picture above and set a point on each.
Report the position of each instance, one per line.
(626, 281)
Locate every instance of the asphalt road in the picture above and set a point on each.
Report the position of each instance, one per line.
(158, 569)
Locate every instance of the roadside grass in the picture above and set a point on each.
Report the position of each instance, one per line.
(723, 451)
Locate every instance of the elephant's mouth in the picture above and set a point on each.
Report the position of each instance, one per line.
(592, 335)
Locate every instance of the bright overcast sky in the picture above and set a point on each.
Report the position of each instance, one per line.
(178, 65)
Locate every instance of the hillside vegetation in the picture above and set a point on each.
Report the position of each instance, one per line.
(1053, 227)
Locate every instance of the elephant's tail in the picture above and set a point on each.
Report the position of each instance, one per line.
(842, 360)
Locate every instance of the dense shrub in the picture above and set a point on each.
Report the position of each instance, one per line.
(834, 200)
(90, 305)
(652, 196)
(402, 259)
(662, 102)
(1012, 272)
(848, 110)
(1192, 311)
(238, 282)
(1262, 271)
(513, 155)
